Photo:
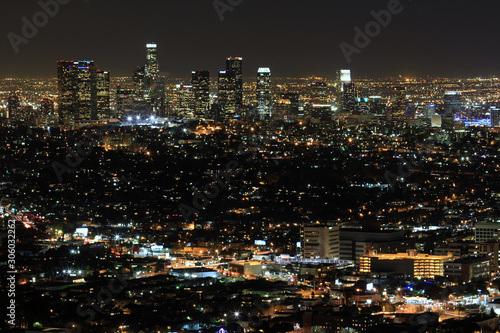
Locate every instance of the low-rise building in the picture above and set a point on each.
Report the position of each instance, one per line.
(467, 269)
(411, 263)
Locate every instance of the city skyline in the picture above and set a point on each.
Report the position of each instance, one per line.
(232, 166)
(418, 41)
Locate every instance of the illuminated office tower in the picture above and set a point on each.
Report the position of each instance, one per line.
(138, 79)
(152, 67)
(47, 112)
(349, 99)
(343, 76)
(86, 92)
(83, 92)
(495, 116)
(398, 105)
(227, 92)
(236, 64)
(77, 91)
(125, 102)
(12, 106)
(185, 101)
(102, 94)
(154, 85)
(452, 103)
(200, 80)
(319, 92)
(67, 87)
(264, 94)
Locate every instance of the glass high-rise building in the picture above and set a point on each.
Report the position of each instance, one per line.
(264, 94)
(398, 105)
(102, 94)
(236, 64)
(343, 76)
(12, 106)
(67, 87)
(76, 91)
(185, 103)
(83, 91)
(86, 91)
(125, 103)
(200, 80)
(495, 116)
(138, 79)
(349, 99)
(452, 103)
(154, 85)
(47, 112)
(318, 92)
(152, 65)
(227, 92)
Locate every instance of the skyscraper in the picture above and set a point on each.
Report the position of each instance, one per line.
(126, 103)
(495, 116)
(236, 64)
(138, 79)
(200, 80)
(12, 106)
(152, 66)
(47, 114)
(398, 105)
(83, 91)
(67, 86)
(348, 99)
(452, 103)
(185, 101)
(102, 94)
(318, 92)
(227, 92)
(86, 91)
(264, 95)
(343, 76)
(77, 93)
(154, 85)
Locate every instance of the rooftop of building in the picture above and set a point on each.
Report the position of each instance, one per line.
(468, 260)
(408, 255)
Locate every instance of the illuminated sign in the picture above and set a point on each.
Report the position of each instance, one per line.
(260, 242)
(157, 248)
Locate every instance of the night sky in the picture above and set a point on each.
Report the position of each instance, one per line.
(294, 38)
